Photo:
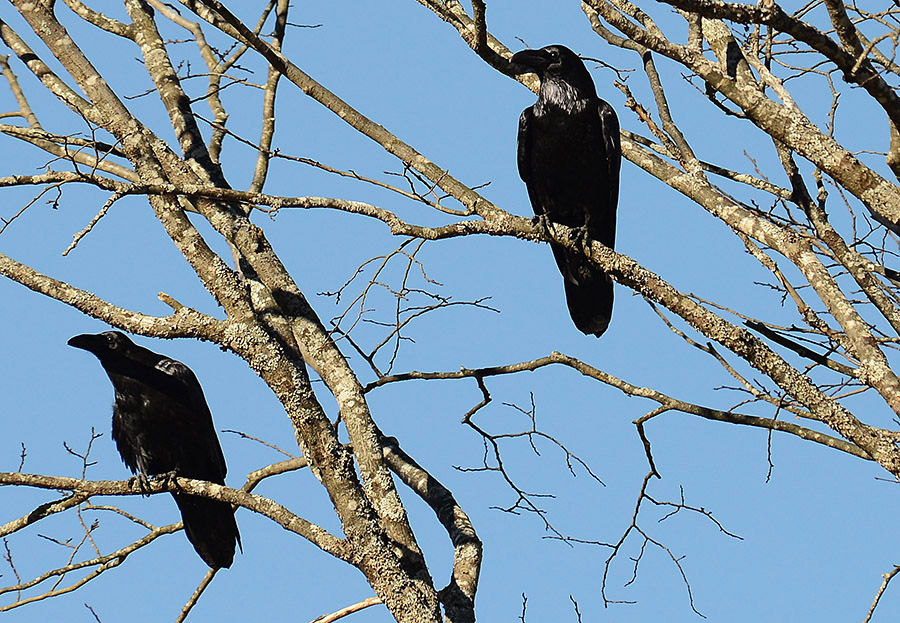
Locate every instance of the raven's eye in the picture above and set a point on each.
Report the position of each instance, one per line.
(554, 54)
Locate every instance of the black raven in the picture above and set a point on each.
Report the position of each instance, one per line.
(162, 427)
(569, 157)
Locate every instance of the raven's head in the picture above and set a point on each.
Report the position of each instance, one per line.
(102, 344)
(557, 67)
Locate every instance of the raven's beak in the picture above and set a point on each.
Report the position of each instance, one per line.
(86, 341)
(530, 62)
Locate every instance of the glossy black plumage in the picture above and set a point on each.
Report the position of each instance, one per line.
(569, 157)
(162, 425)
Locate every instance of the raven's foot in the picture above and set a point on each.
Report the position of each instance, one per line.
(544, 223)
(141, 482)
(581, 237)
(168, 479)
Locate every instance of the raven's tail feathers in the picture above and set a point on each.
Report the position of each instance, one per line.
(589, 295)
(210, 527)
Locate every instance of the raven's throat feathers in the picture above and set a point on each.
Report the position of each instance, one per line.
(557, 94)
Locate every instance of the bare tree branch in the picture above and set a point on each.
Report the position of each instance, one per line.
(258, 504)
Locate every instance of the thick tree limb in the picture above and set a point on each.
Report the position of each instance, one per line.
(459, 596)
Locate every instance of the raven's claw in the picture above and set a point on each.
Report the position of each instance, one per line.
(168, 479)
(141, 482)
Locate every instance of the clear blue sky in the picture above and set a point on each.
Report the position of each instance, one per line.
(816, 537)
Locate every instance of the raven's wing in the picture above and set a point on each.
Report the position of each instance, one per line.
(208, 524)
(203, 457)
(523, 152)
(609, 124)
(181, 383)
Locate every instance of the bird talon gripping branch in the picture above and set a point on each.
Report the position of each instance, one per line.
(168, 478)
(141, 483)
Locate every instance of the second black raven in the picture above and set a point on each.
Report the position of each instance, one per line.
(569, 157)
(162, 426)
